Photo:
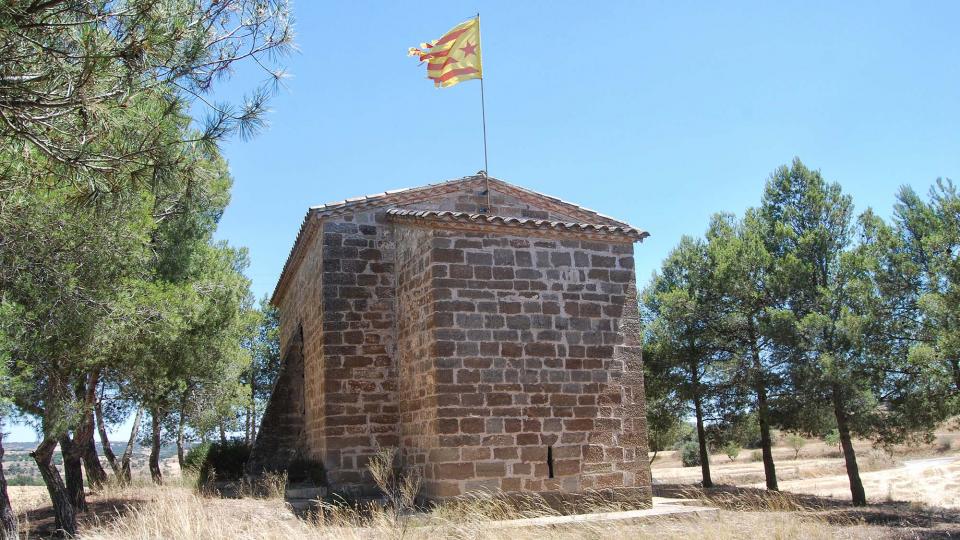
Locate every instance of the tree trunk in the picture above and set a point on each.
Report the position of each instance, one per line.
(65, 516)
(155, 473)
(78, 451)
(125, 475)
(105, 440)
(849, 456)
(73, 471)
(701, 432)
(223, 433)
(180, 441)
(253, 402)
(8, 520)
(766, 442)
(246, 425)
(254, 424)
(253, 410)
(96, 476)
(763, 415)
(702, 439)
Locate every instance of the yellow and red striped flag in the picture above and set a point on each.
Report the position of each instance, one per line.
(455, 57)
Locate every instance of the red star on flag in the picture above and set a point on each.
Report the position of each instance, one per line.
(455, 57)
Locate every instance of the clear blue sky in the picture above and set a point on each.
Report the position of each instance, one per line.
(659, 114)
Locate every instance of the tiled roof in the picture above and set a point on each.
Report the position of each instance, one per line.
(400, 196)
(417, 194)
(444, 216)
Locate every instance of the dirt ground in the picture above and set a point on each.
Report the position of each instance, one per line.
(926, 474)
(932, 481)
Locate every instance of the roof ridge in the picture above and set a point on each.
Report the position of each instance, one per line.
(393, 192)
(385, 198)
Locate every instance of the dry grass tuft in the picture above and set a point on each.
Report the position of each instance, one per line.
(751, 500)
(266, 486)
(177, 513)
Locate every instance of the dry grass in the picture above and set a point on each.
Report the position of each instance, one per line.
(178, 512)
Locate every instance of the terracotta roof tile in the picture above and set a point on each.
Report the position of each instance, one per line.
(398, 195)
(522, 223)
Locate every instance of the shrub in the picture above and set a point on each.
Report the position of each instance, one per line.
(796, 442)
(690, 454)
(225, 461)
(744, 430)
(196, 456)
(833, 438)
(269, 485)
(732, 450)
(756, 455)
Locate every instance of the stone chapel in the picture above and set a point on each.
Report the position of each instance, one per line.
(487, 331)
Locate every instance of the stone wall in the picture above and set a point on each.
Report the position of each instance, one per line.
(493, 360)
(300, 313)
(346, 300)
(281, 437)
(533, 370)
(360, 383)
(415, 346)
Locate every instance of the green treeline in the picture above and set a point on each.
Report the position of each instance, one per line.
(804, 316)
(116, 302)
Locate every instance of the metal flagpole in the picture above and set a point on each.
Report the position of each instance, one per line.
(483, 116)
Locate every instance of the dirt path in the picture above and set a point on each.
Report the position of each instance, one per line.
(935, 482)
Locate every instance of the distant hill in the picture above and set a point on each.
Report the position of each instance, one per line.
(21, 470)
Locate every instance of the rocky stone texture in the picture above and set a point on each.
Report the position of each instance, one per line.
(536, 377)
(281, 435)
(358, 398)
(415, 346)
(495, 359)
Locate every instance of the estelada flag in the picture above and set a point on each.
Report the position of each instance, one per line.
(455, 57)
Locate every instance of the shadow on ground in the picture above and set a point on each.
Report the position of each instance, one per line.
(899, 519)
(39, 522)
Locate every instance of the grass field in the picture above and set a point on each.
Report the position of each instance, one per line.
(913, 494)
(178, 513)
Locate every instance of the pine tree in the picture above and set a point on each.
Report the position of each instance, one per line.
(746, 286)
(681, 318)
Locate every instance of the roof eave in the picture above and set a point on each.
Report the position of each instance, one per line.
(307, 229)
(464, 220)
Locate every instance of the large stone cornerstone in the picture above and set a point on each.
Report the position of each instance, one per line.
(488, 332)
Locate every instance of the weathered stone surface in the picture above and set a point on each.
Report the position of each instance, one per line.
(492, 359)
(281, 435)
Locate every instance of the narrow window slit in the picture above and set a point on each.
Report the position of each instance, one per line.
(550, 462)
